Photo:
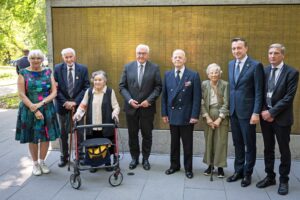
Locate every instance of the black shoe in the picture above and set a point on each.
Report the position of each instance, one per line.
(108, 167)
(146, 164)
(133, 164)
(93, 170)
(234, 177)
(63, 161)
(189, 174)
(283, 188)
(246, 181)
(220, 172)
(171, 171)
(267, 181)
(208, 171)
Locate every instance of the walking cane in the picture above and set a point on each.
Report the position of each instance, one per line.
(212, 165)
(71, 113)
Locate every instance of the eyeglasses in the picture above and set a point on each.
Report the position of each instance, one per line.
(141, 53)
(35, 58)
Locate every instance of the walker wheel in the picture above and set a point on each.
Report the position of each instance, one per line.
(115, 179)
(75, 181)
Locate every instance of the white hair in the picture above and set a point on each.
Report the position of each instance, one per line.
(68, 50)
(36, 53)
(213, 65)
(101, 73)
(142, 46)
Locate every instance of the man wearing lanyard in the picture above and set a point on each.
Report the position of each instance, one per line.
(277, 116)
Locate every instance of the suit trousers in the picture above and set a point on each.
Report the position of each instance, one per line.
(244, 141)
(64, 122)
(135, 123)
(271, 130)
(185, 132)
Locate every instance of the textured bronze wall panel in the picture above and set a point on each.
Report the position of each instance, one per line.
(105, 37)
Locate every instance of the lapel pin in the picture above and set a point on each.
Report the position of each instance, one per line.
(77, 77)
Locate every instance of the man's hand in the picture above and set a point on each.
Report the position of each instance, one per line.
(254, 119)
(145, 104)
(165, 120)
(267, 116)
(69, 105)
(193, 121)
(134, 104)
(217, 122)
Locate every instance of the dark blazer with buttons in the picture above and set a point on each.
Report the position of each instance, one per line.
(82, 83)
(181, 103)
(149, 90)
(283, 95)
(246, 96)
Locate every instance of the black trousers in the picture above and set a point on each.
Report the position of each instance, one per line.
(244, 141)
(145, 124)
(64, 122)
(271, 130)
(184, 132)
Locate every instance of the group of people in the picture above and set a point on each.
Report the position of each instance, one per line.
(252, 95)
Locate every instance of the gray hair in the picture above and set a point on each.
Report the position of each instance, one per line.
(101, 73)
(36, 53)
(68, 50)
(278, 46)
(213, 65)
(142, 46)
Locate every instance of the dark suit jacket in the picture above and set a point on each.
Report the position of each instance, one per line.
(181, 103)
(246, 96)
(82, 83)
(150, 88)
(22, 63)
(283, 95)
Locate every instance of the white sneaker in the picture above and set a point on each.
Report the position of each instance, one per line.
(36, 170)
(44, 168)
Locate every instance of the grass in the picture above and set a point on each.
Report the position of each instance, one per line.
(10, 101)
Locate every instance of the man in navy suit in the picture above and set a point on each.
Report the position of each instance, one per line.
(180, 107)
(140, 85)
(277, 116)
(72, 82)
(246, 81)
(23, 62)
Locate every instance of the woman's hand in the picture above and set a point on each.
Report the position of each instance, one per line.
(35, 106)
(39, 115)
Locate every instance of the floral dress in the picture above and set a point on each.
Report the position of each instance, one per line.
(29, 129)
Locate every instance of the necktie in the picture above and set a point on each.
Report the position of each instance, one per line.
(237, 71)
(271, 86)
(141, 73)
(177, 78)
(70, 82)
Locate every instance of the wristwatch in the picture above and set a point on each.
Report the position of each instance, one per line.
(44, 102)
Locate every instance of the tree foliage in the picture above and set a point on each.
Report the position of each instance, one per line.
(22, 25)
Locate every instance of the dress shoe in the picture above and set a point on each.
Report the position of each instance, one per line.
(189, 174)
(234, 177)
(63, 162)
(146, 164)
(171, 171)
(133, 164)
(108, 167)
(267, 181)
(246, 181)
(283, 188)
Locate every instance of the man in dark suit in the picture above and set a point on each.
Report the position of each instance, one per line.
(181, 99)
(72, 82)
(140, 85)
(246, 82)
(277, 116)
(23, 62)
